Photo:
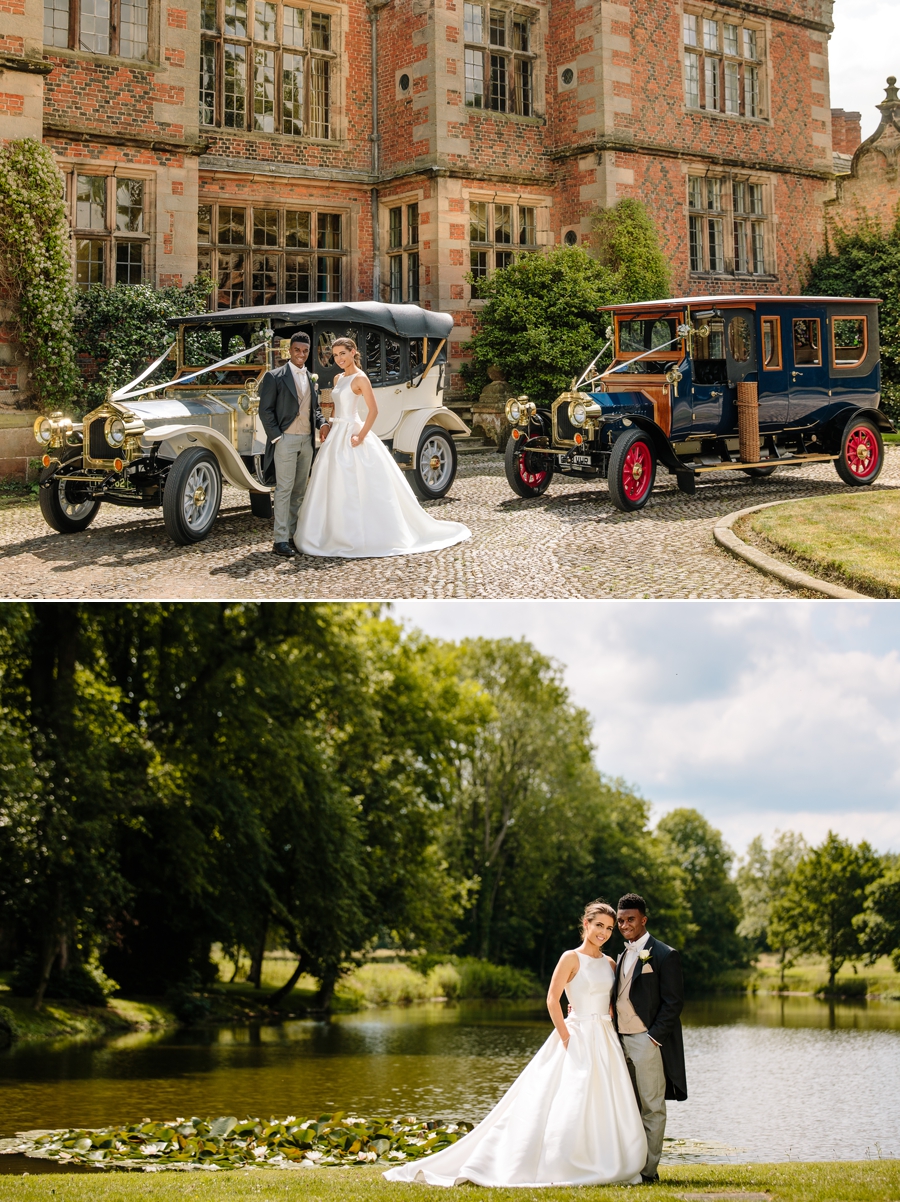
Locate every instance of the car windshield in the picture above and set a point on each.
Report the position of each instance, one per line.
(637, 335)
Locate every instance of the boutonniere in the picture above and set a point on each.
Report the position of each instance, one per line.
(644, 955)
(314, 377)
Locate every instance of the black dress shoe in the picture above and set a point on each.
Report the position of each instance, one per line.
(645, 1180)
(285, 550)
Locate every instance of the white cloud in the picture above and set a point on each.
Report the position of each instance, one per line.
(864, 50)
(761, 715)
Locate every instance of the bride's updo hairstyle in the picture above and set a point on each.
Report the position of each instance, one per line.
(592, 909)
(350, 346)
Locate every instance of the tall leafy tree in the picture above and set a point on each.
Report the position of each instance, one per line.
(536, 829)
(763, 879)
(826, 893)
(862, 258)
(879, 922)
(712, 897)
(82, 772)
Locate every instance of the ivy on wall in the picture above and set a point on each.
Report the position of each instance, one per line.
(36, 270)
(120, 330)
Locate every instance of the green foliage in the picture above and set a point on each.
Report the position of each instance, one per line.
(762, 880)
(879, 923)
(35, 269)
(230, 1143)
(826, 892)
(862, 259)
(86, 982)
(712, 897)
(124, 328)
(541, 323)
(534, 829)
(481, 979)
(627, 243)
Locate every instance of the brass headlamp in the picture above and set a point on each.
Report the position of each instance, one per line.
(582, 410)
(54, 431)
(519, 410)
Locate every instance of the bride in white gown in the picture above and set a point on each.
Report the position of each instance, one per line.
(358, 503)
(571, 1118)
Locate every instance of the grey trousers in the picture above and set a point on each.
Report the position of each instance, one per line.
(293, 459)
(646, 1067)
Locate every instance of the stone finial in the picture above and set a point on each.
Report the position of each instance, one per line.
(890, 92)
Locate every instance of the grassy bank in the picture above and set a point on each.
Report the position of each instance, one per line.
(867, 1181)
(70, 1020)
(850, 539)
(810, 975)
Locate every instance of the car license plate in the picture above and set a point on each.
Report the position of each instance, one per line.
(585, 459)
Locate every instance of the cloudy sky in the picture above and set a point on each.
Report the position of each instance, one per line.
(763, 716)
(864, 51)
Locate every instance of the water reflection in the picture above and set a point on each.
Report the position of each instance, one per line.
(776, 1077)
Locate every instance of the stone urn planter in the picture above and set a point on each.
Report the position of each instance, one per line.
(489, 411)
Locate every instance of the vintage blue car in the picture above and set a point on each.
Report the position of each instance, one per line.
(711, 383)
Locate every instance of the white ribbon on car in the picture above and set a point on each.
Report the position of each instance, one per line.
(125, 394)
(652, 351)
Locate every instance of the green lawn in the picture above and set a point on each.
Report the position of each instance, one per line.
(850, 537)
(868, 1181)
(810, 974)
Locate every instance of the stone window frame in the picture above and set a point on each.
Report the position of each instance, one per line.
(110, 238)
(403, 284)
(730, 225)
(264, 258)
(66, 19)
(216, 38)
(493, 252)
(508, 83)
(713, 73)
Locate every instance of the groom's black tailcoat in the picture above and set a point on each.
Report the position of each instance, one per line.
(279, 406)
(658, 999)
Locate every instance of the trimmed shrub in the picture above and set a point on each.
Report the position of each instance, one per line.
(481, 979)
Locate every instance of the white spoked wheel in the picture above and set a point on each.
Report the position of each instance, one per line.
(435, 466)
(192, 496)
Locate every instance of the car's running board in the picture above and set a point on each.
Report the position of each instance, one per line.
(788, 461)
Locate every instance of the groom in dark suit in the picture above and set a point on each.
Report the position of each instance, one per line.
(648, 998)
(290, 414)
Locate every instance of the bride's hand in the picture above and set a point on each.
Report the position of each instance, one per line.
(356, 441)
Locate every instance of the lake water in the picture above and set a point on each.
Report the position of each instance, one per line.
(769, 1078)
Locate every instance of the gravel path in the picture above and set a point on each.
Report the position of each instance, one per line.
(569, 543)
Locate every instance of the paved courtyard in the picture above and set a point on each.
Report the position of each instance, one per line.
(569, 543)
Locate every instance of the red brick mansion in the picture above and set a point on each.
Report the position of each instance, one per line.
(304, 149)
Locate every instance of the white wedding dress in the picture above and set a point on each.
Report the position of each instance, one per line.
(570, 1118)
(358, 503)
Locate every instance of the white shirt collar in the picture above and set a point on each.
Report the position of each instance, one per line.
(298, 369)
(638, 944)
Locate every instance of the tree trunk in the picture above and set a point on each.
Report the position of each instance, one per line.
(289, 984)
(256, 959)
(47, 961)
(325, 996)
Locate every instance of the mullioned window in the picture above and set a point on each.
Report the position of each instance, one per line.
(723, 65)
(267, 66)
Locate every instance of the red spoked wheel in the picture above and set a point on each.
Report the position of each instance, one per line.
(632, 471)
(862, 453)
(528, 472)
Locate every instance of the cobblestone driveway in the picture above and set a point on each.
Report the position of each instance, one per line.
(569, 543)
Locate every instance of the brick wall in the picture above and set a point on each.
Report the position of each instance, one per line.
(609, 120)
(846, 131)
(872, 189)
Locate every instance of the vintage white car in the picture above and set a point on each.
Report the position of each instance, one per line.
(172, 445)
